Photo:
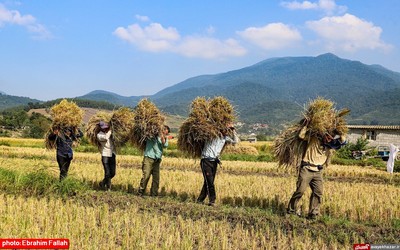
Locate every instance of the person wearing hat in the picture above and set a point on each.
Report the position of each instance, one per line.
(64, 139)
(315, 157)
(152, 160)
(108, 154)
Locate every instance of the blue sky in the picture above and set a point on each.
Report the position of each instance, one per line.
(52, 49)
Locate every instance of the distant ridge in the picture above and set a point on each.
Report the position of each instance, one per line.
(275, 90)
(265, 86)
(9, 101)
(101, 95)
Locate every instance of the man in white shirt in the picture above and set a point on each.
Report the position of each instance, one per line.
(209, 162)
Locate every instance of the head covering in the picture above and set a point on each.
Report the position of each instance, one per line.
(104, 125)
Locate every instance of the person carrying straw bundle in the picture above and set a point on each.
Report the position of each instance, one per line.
(204, 134)
(150, 135)
(308, 144)
(108, 154)
(109, 132)
(64, 133)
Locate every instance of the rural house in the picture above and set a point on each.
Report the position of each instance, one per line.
(377, 135)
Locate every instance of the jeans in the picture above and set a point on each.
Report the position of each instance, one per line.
(109, 165)
(209, 169)
(63, 164)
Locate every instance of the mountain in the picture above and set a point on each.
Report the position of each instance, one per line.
(101, 95)
(275, 90)
(9, 101)
(295, 79)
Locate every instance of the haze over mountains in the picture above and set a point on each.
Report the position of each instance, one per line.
(275, 90)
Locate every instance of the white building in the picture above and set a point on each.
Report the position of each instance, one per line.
(377, 135)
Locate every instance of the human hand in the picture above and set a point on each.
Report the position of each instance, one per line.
(231, 126)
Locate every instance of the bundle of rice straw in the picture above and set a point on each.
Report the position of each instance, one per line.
(93, 127)
(49, 144)
(222, 114)
(148, 123)
(208, 119)
(64, 115)
(321, 118)
(240, 149)
(121, 124)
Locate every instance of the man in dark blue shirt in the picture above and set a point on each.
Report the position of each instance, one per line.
(64, 140)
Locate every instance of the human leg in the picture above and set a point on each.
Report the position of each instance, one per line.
(109, 170)
(155, 177)
(209, 170)
(316, 185)
(146, 172)
(204, 189)
(63, 164)
(301, 185)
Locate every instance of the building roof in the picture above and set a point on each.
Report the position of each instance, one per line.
(385, 127)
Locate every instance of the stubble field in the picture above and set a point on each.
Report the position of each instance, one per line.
(361, 204)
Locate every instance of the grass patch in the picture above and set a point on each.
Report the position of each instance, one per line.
(244, 157)
(39, 183)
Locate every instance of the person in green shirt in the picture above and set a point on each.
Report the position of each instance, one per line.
(151, 162)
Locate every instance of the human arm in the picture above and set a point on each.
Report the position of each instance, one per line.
(233, 140)
(329, 155)
(103, 137)
(79, 134)
(302, 133)
(53, 135)
(164, 140)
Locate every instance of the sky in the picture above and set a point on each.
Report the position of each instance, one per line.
(54, 49)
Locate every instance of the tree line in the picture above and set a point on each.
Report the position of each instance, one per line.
(17, 119)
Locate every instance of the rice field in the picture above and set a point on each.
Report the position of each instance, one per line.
(361, 204)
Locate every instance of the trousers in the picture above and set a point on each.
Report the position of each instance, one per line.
(109, 165)
(150, 167)
(314, 180)
(63, 164)
(209, 170)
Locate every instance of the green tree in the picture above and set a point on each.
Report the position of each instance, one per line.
(346, 152)
(37, 126)
(14, 119)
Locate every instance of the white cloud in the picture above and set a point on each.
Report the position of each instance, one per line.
(152, 38)
(348, 33)
(306, 5)
(142, 18)
(272, 36)
(328, 6)
(206, 47)
(13, 17)
(156, 38)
